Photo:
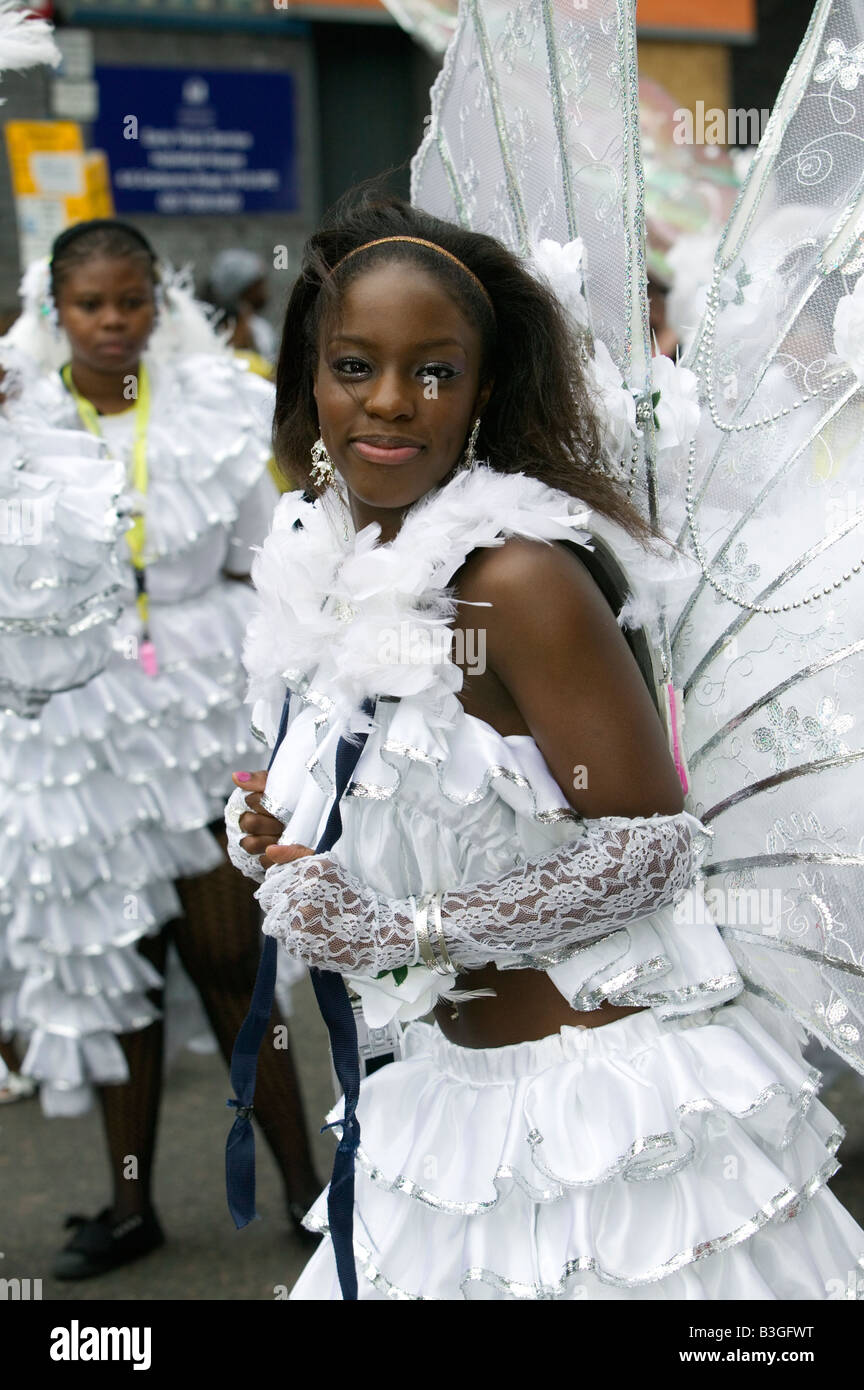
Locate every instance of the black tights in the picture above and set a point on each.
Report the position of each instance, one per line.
(218, 941)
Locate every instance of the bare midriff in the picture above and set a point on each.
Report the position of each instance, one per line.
(527, 1006)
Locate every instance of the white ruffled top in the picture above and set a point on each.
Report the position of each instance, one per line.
(59, 571)
(439, 799)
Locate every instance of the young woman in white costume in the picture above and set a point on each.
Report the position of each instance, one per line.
(109, 832)
(606, 1118)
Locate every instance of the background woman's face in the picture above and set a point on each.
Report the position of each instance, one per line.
(107, 308)
(397, 384)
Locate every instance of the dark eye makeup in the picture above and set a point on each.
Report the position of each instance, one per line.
(357, 366)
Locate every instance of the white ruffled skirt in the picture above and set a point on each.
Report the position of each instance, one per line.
(683, 1160)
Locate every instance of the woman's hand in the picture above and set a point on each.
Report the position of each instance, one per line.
(326, 917)
(284, 854)
(261, 830)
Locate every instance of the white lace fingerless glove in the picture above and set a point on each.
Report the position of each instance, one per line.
(248, 864)
(535, 915)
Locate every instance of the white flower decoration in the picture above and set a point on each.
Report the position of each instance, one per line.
(735, 573)
(561, 267)
(677, 410)
(849, 329)
(845, 65)
(824, 732)
(614, 404)
(418, 991)
(782, 736)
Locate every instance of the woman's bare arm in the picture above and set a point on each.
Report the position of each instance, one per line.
(558, 667)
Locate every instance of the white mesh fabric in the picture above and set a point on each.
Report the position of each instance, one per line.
(774, 700)
(531, 135)
(534, 133)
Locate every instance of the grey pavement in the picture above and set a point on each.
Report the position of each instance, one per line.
(51, 1167)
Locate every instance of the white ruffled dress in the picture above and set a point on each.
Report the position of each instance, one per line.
(678, 1153)
(106, 795)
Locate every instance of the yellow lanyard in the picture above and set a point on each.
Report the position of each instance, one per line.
(90, 420)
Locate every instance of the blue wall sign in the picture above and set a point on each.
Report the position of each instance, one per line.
(207, 141)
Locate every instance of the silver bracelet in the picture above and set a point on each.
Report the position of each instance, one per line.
(443, 964)
(421, 932)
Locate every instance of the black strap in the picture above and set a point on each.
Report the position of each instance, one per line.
(240, 1148)
(335, 1006)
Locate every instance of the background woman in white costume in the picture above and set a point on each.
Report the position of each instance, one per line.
(57, 580)
(614, 1122)
(105, 838)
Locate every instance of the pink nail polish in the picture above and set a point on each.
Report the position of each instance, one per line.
(243, 776)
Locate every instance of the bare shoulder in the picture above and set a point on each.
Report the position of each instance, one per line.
(517, 560)
(533, 581)
(554, 646)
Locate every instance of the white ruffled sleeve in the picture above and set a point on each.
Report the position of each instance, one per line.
(254, 518)
(61, 584)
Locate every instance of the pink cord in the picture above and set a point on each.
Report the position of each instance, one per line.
(147, 658)
(672, 701)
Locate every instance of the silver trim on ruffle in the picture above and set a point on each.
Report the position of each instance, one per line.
(686, 994)
(783, 1206)
(375, 792)
(88, 612)
(799, 1106)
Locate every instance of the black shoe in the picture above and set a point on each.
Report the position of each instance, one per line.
(101, 1244)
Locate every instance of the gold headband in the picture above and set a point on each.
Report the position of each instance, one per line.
(419, 241)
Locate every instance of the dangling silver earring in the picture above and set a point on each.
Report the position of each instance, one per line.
(323, 473)
(469, 458)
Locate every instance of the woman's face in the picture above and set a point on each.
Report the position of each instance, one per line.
(397, 385)
(107, 308)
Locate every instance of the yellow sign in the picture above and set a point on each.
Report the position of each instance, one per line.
(97, 200)
(55, 181)
(45, 157)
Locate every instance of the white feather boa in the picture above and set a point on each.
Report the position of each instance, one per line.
(364, 619)
(25, 41)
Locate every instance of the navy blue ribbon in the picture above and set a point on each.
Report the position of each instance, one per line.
(338, 1015)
